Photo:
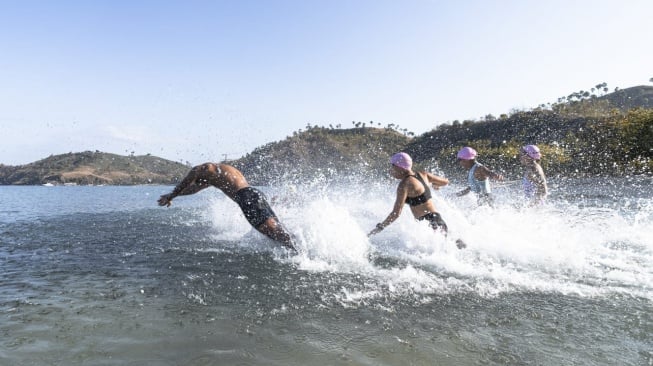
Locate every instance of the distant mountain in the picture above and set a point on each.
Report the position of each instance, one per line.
(94, 168)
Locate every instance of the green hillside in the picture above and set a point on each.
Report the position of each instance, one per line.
(321, 152)
(608, 135)
(583, 134)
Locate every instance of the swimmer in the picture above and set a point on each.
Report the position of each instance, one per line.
(232, 182)
(414, 191)
(533, 181)
(478, 178)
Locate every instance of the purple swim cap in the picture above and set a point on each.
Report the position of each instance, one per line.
(402, 160)
(532, 151)
(466, 153)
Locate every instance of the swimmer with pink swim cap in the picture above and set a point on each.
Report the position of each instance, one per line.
(414, 190)
(466, 153)
(402, 160)
(478, 177)
(533, 181)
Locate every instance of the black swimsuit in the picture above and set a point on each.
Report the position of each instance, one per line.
(415, 201)
(254, 206)
(435, 220)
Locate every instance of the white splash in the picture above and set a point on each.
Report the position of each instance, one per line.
(560, 247)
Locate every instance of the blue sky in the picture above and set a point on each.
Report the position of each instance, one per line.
(194, 80)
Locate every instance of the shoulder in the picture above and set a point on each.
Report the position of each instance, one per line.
(480, 168)
(406, 182)
(536, 174)
(205, 166)
(221, 167)
(540, 172)
(211, 169)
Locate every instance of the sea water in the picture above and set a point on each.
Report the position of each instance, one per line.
(103, 276)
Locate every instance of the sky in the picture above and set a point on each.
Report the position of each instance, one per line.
(195, 81)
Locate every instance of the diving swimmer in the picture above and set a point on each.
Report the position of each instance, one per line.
(232, 183)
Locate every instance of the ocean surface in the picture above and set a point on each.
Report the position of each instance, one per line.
(103, 276)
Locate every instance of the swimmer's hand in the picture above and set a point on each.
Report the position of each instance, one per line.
(165, 200)
(375, 231)
(379, 227)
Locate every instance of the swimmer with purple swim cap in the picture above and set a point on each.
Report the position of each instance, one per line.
(533, 181)
(414, 190)
(478, 177)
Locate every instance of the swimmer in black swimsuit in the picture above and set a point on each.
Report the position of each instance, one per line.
(231, 181)
(254, 205)
(414, 191)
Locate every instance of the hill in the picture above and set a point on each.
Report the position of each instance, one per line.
(94, 168)
(323, 153)
(581, 135)
(631, 98)
(496, 140)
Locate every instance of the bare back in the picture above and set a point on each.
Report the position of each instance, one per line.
(224, 177)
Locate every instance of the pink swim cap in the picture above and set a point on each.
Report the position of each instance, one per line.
(466, 153)
(532, 151)
(402, 160)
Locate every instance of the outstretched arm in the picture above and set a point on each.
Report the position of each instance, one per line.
(191, 184)
(437, 181)
(402, 193)
(487, 173)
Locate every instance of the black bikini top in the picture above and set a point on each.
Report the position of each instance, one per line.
(414, 201)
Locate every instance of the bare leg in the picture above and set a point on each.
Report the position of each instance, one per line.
(275, 231)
